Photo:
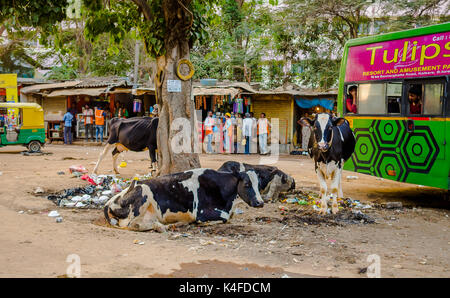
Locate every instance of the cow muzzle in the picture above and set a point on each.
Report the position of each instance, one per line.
(257, 204)
(323, 146)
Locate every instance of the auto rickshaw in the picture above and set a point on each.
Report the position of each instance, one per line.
(22, 124)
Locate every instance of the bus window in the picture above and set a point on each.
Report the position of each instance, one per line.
(372, 99)
(433, 95)
(350, 99)
(394, 97)
(425, 99)
(415, 92)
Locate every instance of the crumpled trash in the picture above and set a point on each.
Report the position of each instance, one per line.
(78, 168)
(38, 190)
(53, 213)
(88, 179)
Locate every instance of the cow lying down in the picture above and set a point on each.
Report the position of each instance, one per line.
(197, 195)
(271, 180)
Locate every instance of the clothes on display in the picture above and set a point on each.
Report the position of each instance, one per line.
(224, 103)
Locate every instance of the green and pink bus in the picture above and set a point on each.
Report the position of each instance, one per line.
(394, 90)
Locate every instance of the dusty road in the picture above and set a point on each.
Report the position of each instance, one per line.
(411, 242)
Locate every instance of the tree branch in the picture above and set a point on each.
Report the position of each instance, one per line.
(143, 5)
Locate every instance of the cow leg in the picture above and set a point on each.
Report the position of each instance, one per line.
(335, 183)
(102, 155)
(340, 194)
(323, 191)
(115, 155)
(151, 151)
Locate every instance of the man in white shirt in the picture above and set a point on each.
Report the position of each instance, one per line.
(247, 127)
(263, 131)
(88, 116)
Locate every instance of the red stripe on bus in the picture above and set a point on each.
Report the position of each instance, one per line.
(419, 118)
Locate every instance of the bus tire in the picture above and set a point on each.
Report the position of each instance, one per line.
(34, 146)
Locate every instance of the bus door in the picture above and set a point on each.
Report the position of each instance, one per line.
(426, 126)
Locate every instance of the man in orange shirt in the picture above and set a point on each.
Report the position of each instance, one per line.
(99, 123)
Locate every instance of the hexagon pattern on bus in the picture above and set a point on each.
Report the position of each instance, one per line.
(422, 147)
(385, 149)
(388, 134)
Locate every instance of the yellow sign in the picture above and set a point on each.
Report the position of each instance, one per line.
(8, 82)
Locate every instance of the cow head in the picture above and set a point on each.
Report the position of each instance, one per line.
(248, 189)
(322, 129)
(123, 208)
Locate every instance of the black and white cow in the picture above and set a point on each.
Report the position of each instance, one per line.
(271, 180)
(332, 143)
(197, 195)
(135, 134)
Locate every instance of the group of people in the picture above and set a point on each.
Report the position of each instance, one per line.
(92, 118)
(235, 131)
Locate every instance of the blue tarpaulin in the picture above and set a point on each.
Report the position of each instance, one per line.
(309, 103)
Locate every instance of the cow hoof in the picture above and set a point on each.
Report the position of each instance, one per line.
(322, 211)
(335, 210)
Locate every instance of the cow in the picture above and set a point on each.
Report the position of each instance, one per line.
(198, 195)
(135, 134)
(332, 143)
(271, 180)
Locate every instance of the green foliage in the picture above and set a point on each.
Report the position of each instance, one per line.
(63, 72)
(120, 17)
(32, 13)
(236, 44)
(111, 61)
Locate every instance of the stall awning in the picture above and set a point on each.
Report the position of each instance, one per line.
(215, 91)
(309, 103)
(78, 91)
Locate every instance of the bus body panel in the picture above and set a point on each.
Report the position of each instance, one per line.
(384, 148)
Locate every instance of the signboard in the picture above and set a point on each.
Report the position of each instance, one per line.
(8, 82)
(420, 56)
(174, 86)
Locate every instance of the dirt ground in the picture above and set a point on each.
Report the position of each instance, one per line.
(411, 242)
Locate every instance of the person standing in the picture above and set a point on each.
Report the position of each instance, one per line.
(88, 116)
(306, 134)
(99, 123)
(247, 128)
(67, 118)
(209, 124)
(263, 131)
(228, 133)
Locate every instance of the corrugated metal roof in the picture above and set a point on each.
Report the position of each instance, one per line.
(39, 87)
(78, 91)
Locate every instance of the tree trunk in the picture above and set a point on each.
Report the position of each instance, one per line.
(174, 105)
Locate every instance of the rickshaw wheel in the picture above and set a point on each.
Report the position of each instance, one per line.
(34, 146)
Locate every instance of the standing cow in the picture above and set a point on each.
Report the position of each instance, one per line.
(135, 134)
(271, 180)
(197, 195)
(332, 143)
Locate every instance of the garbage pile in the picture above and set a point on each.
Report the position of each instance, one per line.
(93, 196)
(313, 200)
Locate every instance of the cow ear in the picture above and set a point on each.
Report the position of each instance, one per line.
(306, 122)
(338, 121)
(242, 175)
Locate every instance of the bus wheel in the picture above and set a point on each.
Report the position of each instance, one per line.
(34, 146)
